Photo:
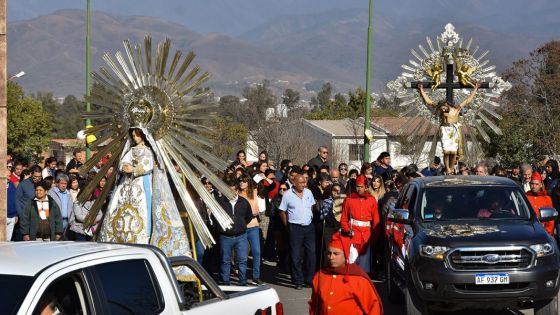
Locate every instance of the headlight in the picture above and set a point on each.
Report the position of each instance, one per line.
(434, 252)
(543, 249)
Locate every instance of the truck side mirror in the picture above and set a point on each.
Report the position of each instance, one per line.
(399, 216)
(548, 214)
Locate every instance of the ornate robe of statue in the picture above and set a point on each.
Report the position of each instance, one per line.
(142, 209)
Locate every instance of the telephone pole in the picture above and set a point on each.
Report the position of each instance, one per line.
(88, 71)
(367, 115)
(3, 121)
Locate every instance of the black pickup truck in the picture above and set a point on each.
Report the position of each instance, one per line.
(470, 242)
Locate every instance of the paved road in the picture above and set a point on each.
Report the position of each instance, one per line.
(295, 301)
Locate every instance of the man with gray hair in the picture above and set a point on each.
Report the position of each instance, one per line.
(320, 159)
(62, 198)
(526, 173)
(481, 170)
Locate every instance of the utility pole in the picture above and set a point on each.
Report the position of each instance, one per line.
(367, 118)
(3, 121)
(88, 72)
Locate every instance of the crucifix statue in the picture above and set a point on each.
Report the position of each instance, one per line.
(449, 112)
(449, 64)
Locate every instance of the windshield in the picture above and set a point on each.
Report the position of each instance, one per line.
(473, 203)
(13, 290)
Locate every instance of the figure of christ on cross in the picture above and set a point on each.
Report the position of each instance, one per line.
(450, 128)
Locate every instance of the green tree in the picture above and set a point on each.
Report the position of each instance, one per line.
(531, 108)
(230, 137)
(356, 103)
(29, 125)
(290, 98)
(49, 103)
(259, 99)
(68, 120)
(324, 96)
(230, 105)
(66, 116)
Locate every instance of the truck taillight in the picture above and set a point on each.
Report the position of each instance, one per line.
(279, 309)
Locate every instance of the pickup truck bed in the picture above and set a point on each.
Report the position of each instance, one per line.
(98, 278)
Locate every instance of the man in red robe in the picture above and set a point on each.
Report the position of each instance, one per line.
(360, 220)
(342, 288)
(538, 199)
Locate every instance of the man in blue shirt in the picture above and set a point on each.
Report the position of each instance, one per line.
(434, 169)
(26, 189)
(296, 214)
(62, 197)
(383, 166)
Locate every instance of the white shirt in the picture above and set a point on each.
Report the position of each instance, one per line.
(233, 202)
(41, 206)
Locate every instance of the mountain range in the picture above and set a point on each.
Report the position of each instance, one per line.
(290, 50)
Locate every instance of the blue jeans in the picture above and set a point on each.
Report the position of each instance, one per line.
(227, 245)
(82, 238)
(302, 237)
(364, 260)
(254, 238)
(199, 249)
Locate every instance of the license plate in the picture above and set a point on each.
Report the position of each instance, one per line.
(494, 278)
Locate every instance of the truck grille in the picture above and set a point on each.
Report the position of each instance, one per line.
(491, 258)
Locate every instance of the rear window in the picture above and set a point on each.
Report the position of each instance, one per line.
(129, 287)
(13, 290)
(473, 203)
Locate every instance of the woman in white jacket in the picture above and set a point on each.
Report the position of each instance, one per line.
(77, 217)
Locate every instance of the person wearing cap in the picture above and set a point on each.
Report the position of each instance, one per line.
(341, 287)
(539, 199)
(383, 166)
(360, 220)
(434, 169)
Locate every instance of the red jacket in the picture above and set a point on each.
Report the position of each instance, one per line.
(363, 209)
(274, 191)
(344, 292)
(541, 200)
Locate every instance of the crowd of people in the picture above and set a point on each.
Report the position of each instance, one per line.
(293, 211)
(41, 200)
(286, 214)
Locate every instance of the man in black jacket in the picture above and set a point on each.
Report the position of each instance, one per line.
(321, 159)
(239, 210)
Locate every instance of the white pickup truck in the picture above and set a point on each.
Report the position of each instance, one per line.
(95, 278)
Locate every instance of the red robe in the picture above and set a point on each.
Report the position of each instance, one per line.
(341, 293)
(361, 208)
(541, 200)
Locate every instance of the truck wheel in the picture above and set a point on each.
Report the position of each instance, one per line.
(548, 307)
(413, 304)
(394, 293)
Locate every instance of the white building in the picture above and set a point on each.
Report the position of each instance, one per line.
(344, 138)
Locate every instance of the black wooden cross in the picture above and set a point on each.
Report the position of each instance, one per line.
(449, 84)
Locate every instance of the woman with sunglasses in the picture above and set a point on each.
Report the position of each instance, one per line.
(343, 171)
(247, 190)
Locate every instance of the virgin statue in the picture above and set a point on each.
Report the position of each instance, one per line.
(153, 124)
